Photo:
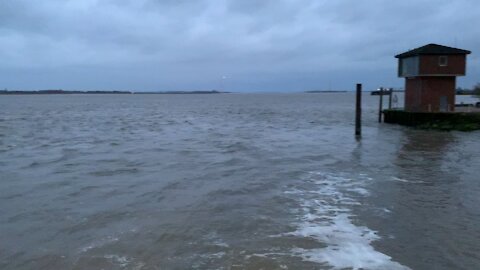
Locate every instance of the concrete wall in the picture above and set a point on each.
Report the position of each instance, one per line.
(440, 121)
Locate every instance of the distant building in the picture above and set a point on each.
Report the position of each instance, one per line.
(430, 74)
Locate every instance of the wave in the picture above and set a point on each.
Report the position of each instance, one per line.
(326, 216)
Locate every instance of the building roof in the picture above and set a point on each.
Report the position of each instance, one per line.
(432, 49)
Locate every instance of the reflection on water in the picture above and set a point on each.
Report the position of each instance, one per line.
(422, 154)
(427, 196)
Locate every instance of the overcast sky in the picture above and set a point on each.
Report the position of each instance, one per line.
(232, 45)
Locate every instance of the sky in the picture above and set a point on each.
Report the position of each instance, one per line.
(228, 45)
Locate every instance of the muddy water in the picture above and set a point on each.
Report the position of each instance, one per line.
(235, 181)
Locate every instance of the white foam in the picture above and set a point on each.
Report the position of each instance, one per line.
(99, 243)
(124, 262)
(120, 260)
(405, 180)
(360, 191)
(329, 220)
(215, 240)
(266, 255)
(217, 255)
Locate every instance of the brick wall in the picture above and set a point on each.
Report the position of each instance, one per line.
(413, 88)
(429, 64)
(424, 94)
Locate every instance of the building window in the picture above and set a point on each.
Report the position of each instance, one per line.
(443, 61)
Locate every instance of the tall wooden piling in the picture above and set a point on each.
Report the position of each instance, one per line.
(390, 93)
(380, 105)
(358, 111)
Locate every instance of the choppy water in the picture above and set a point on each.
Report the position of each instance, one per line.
(237, 181)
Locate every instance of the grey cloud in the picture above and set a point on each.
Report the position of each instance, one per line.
(262, 45)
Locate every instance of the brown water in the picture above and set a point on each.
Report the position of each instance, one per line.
(234, 181)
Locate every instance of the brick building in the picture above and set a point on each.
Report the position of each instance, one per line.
(430, 74)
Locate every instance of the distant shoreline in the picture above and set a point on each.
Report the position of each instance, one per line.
(326, 91)
(66, 92)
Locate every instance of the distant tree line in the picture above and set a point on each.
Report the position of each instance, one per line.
(51, 92)
(476, 89)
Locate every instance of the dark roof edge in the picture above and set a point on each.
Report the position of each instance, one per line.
(432, 49)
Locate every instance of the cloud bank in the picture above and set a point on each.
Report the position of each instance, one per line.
(237, 45)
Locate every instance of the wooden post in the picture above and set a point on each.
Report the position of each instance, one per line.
(358, 111)
(380, 105)
(390, 93)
